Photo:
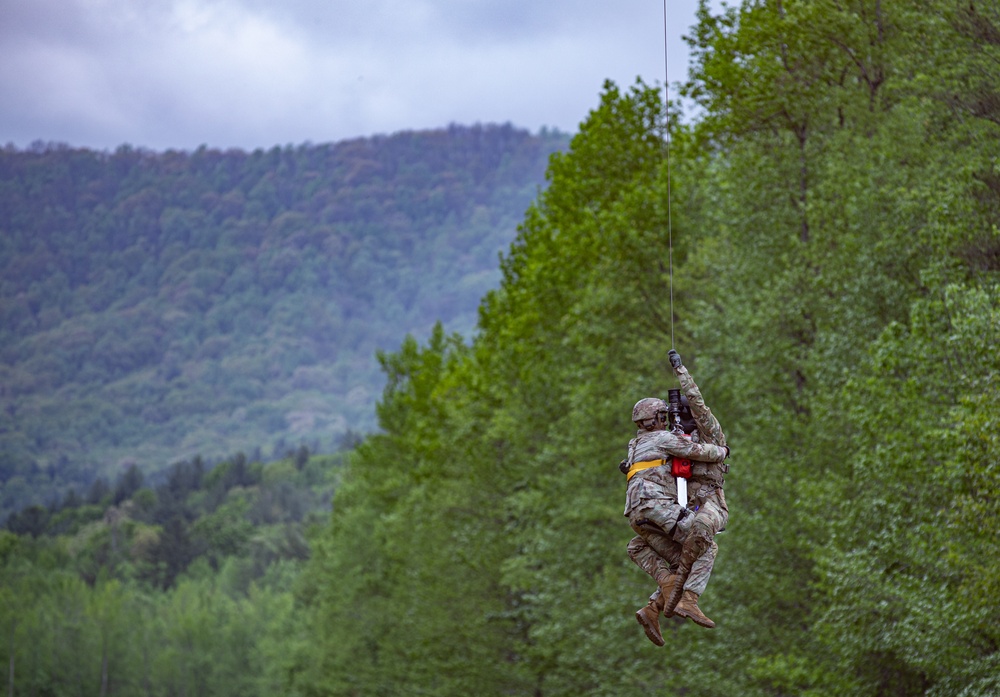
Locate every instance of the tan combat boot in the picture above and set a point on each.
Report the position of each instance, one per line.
(666, 581)
(688, 607)
(649, 618)
(694, 545)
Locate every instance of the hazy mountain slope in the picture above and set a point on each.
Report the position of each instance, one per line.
(154, 306)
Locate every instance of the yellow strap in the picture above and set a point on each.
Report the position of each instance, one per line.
(639, 466)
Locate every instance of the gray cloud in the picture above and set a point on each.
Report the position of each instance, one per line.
(256, 73)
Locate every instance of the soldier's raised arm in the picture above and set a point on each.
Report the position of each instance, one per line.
(687, 449)
(708, 426)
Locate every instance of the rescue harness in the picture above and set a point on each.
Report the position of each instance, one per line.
(679, 467)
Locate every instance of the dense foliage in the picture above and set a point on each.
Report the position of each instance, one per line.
(179, 587)
(836, 253)
(156, 306)
(833, 236)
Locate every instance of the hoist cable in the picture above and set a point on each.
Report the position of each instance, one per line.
(670, 232)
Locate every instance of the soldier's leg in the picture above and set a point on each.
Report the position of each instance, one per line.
(658, 555)
(648, 616)
(662, 544)
(701, 570)
(645, 557)
(699, 540)
(663, 513)
(653, 520)
(687, 606)
(710, 519)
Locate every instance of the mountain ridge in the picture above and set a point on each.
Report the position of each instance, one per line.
(158, 306)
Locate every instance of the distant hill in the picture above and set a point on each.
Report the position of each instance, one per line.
(157, 306)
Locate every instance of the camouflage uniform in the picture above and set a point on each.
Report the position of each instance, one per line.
(705, 484)
(711, 515)
(652, 507)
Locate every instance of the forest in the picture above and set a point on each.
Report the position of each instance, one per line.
(821, 245)
(134, 587)
(160, 306)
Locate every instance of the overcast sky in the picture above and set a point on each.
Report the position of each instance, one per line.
(162, 74)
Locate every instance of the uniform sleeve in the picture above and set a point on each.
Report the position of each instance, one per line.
(708, 425)
(674, 446)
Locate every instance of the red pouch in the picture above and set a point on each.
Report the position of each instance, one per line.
(681, 468)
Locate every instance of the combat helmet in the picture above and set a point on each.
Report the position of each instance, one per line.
(647, 408)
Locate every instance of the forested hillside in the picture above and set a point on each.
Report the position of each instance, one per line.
(836, 254)
(160, 306)
(180, 586)
(834, 221)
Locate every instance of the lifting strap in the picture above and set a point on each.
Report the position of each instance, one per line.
(644, 465)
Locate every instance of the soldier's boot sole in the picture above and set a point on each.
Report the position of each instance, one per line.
(649, 619)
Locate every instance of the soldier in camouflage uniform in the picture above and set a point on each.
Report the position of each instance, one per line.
(711, 512)
(661, 523)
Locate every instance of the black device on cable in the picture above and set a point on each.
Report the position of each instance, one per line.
(674, 409)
